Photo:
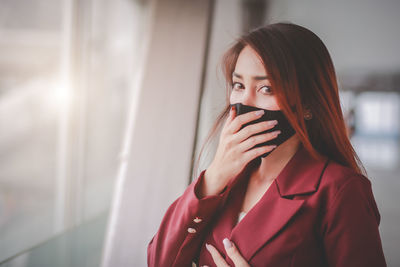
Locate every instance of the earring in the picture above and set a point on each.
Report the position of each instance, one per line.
(308, 115)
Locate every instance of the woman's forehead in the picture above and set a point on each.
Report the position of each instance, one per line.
(249, 63)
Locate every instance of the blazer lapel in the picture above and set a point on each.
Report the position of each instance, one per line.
(263, 221)
(275, 209)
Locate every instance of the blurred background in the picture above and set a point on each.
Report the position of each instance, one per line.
(105, 104)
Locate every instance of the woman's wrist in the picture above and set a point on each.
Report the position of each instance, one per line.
(210, 184)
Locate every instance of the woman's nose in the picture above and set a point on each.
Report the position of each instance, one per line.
(248, 99)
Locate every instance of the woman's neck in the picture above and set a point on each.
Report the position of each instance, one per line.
(273, 164)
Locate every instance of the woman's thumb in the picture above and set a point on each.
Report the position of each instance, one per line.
(232, 112)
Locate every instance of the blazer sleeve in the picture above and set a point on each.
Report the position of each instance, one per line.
(183, 227)
(351, 236)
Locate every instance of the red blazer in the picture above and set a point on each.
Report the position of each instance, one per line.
(315, 213)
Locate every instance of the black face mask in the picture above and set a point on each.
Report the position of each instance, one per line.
(283, 125)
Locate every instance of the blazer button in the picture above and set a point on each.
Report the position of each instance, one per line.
(191, 230)
(197, 220)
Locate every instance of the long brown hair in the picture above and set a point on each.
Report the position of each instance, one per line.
(303, 78)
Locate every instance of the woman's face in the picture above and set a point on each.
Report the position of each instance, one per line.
(250, 85)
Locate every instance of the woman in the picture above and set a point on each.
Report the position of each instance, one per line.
(285, 187)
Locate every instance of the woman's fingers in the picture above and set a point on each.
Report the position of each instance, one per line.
(257, 139)
(231, 117)
(218, 259)
(234, 254)
(257, 151)
(238, 121)
(253, 129)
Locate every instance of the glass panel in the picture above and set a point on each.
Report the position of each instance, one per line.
(79, 246)
(110, 66)
(67, 75)
(29, 66)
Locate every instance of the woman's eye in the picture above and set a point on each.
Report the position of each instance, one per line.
(266, 89)
(236, 85)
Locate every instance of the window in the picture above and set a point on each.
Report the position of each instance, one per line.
(66, 84)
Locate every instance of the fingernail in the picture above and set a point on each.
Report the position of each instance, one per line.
(208, 247)
(259, 112)
(274, 122)
(227, 243)
(276, 133)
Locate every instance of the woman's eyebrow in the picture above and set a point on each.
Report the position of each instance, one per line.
(254, 77)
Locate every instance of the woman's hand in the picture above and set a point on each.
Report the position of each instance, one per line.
(231, 251)
(235, 149)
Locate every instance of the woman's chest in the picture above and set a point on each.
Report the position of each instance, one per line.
(253, 193)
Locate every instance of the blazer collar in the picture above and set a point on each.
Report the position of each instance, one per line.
(301, 174)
